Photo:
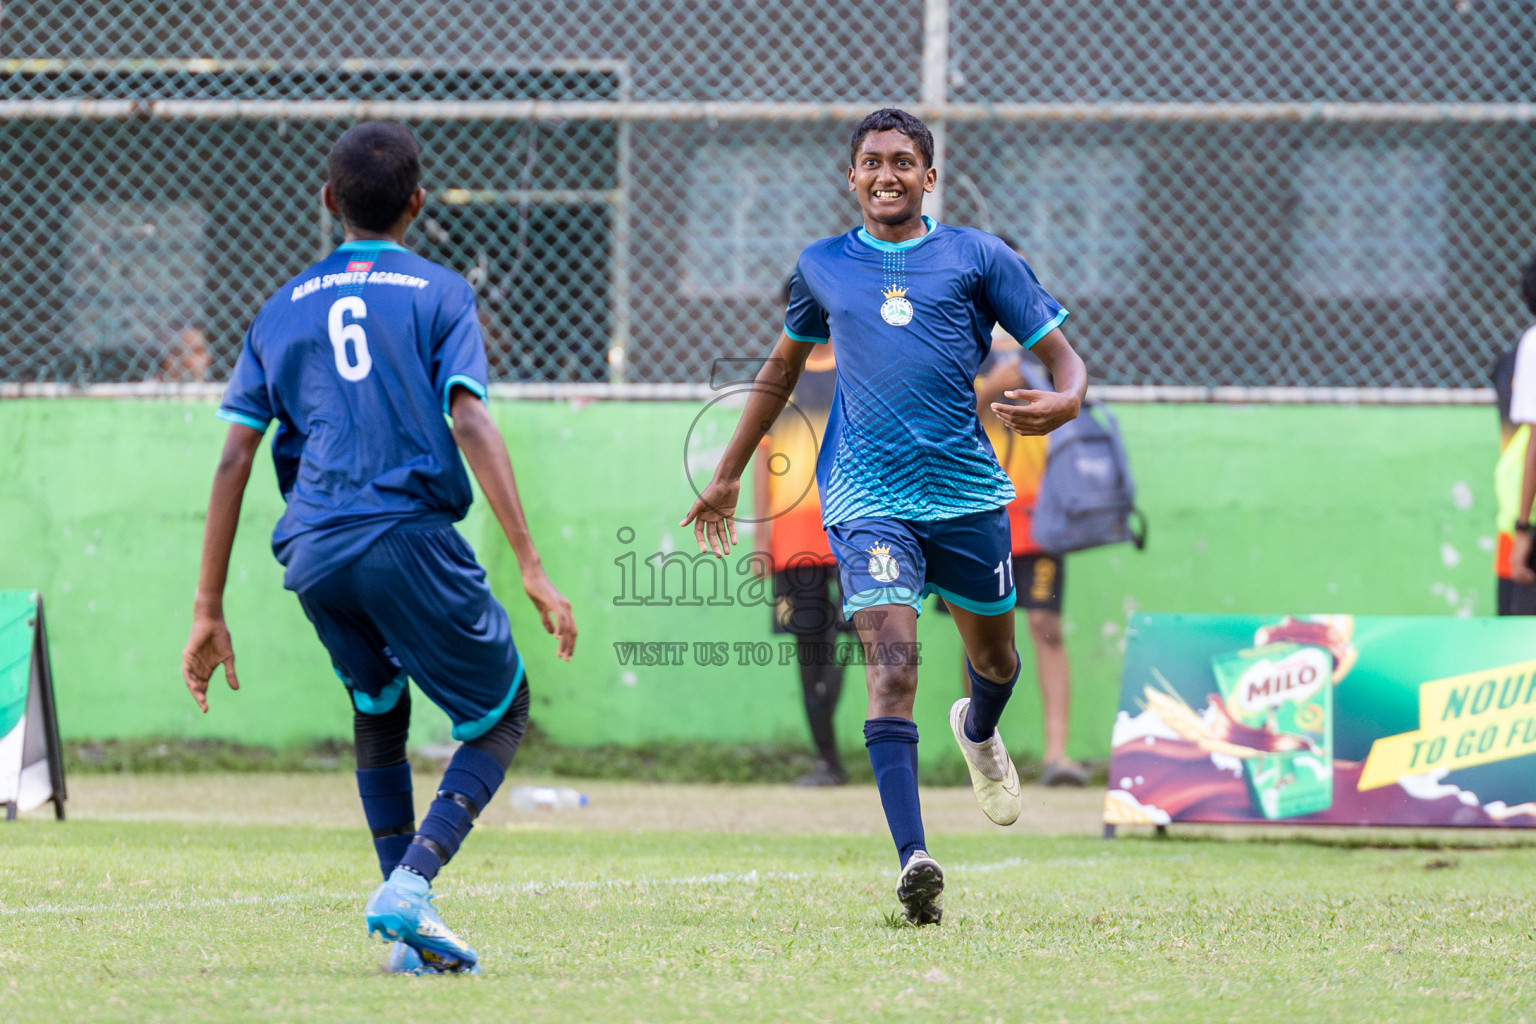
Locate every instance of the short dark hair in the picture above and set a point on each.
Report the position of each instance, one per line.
(1528, 286)
(374, 169)
(890, 119)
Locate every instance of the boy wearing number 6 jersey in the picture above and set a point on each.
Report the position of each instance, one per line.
(358, 361)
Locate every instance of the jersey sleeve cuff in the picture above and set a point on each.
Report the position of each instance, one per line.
(1044, 329)
(804, 338)
(460, 380)
(241, 418)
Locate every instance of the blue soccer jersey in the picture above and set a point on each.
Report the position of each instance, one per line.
(355, 359)
(913, 321)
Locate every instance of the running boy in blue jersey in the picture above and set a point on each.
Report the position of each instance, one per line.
(912, 495)
(358, 360)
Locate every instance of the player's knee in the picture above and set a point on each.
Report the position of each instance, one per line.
(1045, 627)
(517, 715)
(895, 680)
(379, 740)
(997, 665)
(501, 740)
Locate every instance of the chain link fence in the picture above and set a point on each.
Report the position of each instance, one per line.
(1272, 193)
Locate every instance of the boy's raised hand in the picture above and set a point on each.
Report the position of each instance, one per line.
(208, 647)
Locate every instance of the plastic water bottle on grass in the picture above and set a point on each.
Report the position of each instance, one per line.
(549, 798)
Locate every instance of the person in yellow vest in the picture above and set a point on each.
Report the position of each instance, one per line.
(1513, 439)
(1515, 476)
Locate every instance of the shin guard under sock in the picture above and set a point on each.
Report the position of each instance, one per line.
(472, 778)
(987, 702)
(892, 744)
(390, 810)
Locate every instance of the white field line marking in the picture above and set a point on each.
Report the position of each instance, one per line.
(533, 888)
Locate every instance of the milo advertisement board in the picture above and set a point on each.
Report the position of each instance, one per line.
(1328, 719)
(1281, 698)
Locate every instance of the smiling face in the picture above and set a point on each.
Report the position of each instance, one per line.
(890, 177)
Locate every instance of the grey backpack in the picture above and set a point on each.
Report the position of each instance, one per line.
(1087, 497)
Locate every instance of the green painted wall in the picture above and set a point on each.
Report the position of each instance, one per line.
(1252, 509)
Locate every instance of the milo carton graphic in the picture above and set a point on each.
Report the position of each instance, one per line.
(1279, 702)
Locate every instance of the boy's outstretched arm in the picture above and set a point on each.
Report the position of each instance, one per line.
(1048, 410)
(209, 645)
(486, 453)
(713, 515)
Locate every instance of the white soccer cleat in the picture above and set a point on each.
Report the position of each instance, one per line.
(994, 779)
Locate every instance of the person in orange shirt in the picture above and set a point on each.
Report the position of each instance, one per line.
(807, 599)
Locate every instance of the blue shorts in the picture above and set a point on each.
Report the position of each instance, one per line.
(416, 604)
(967, 561)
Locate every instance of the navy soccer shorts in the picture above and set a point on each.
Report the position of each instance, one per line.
(967, 561)
(1045, 579)
(416, 604)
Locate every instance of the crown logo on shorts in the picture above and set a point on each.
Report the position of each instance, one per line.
(893, 293)
(880, 550)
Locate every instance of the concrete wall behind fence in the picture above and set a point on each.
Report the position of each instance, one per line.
(1265, 509)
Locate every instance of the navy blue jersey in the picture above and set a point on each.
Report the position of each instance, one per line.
(912, 321)
(355, 359)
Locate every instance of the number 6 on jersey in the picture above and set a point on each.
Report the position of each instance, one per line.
(342, 332)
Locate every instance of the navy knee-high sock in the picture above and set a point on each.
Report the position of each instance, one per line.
(892, 744)
(390, 810)
(987, 702)
(472, 778)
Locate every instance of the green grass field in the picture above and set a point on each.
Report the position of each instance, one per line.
(240, 898)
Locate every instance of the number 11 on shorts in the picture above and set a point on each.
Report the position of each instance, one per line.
(1004, 572)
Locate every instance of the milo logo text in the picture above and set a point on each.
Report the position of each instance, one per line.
(1296, 677)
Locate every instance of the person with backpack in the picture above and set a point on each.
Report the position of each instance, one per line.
(1039, 575)
(1079, 513)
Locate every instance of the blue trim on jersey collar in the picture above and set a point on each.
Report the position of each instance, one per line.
(911, 243)
(375, 245)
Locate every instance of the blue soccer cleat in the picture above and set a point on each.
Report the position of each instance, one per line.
(402, 909)
(407, 959)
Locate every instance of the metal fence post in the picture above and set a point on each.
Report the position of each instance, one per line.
(936, 89)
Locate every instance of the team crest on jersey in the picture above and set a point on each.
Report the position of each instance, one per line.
(882, 566)
(896, 310)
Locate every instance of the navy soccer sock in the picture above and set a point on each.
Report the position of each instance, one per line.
(390, 810)
(987, 702)
(892, 744)
(472, 778)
